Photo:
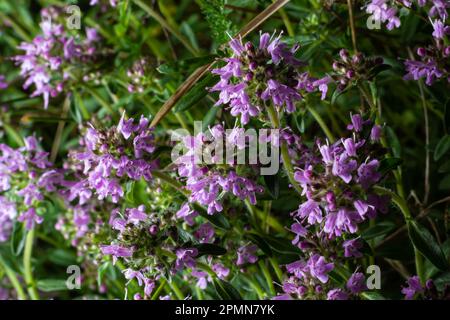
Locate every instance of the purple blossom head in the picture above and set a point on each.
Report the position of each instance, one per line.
(205, 233)
(319, 268)
(356, 283)
(246, 254)
(30, 217)
(116, 250)
(414, 287)
(221, 271)
(185, 258)
(351, 248)
(337, 294)
(271, 66)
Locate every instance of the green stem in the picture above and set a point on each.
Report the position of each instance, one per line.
(159, 289)
(176, 290)
(287, 164)
(199, 293)
(13, 279)
(255, 285)
(268, 277)
(287, 22)
(322, 124)
(31, 285)
(276, 268)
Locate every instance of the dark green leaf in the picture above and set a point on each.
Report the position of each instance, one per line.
(225, 290)
(273, 185)
(379, 229)
(209, 118)
(425, 243)
(394, 142)
(442, 147)
(197, 92)
(389, 164)
(62, 257)
(373, 295)
(260, 242)
(281, 245)
(49, 285)
(217, 220)
(18, 238)
(378, 69)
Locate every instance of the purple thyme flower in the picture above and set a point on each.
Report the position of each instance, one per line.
(299, 231)
(351, 248)
(311, 210)
(418, 69)
(221, 271)
(246, 254)
(368, 174)
(337, 294)
(49, 55)
(187, 214)
(185, 258)
(205, 233)
(381, 12)
(356, 283)
(8, 212)
(202, 277)
(30, 217)
(319, 268)
(414, 287)
(3, 83)
(116, 251)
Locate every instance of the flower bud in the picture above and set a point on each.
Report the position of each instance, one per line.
(357, 58)
(343, 54)
(447, 51)
(421, 52)
(252, 66)
(350, 74)
(153, 230)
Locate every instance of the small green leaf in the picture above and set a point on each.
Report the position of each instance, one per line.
(378, 69)
(260, 242)
(49, 285)
(442, 147)
(101, 271)
(273, 185)
(424, 241)
(281, 245)
(185, 65)
(18, 238)
(217, 220)
(197, 92)
(378, 230)
(389, 164)
(394, 142)
(225, 290)
(62, 257)
(209, 118)
(372, 295)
